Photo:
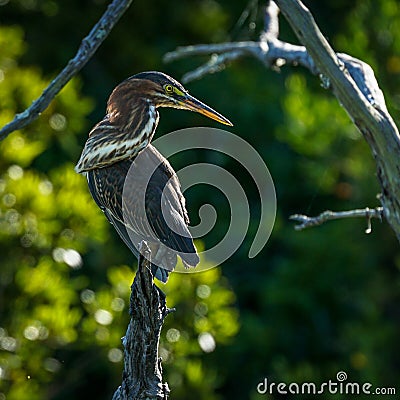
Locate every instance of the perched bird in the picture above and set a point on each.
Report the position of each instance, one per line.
(131, 182)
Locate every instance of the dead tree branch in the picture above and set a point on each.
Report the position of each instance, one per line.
(142, 375)
(308, 222)
(85, 52)
(352, 81)
(271, 51)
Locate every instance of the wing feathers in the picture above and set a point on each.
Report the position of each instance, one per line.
(156, 196)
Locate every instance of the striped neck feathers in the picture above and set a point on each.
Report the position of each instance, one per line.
(121, 135)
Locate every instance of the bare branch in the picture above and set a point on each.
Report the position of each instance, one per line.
(271, 22)
(215, 64)
(207, 49)
(86, 50)
(328, 62)
(142, 375)
(220, 55)
(368, 113)
(308, 222)
(270, 53)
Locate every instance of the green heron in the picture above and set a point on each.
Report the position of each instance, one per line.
(121, 141)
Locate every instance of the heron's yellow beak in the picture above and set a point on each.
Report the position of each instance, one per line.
(191, 103)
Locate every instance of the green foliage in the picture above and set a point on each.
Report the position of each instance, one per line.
(44, 219)
(311, 304)
(48, 223)
(204, 319)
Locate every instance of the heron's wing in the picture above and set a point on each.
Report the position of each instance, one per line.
(165, 205)
(132, 198)
(114, 215)
(106, 187)
(105, 190)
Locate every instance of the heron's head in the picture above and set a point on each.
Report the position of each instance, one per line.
(159, 90)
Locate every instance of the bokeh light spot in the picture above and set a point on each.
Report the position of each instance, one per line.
(103, 317)
(207, 342)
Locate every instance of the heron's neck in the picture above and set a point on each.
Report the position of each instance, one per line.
(119, 137)
(134, 128)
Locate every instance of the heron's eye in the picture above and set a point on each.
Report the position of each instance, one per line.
(168, 89)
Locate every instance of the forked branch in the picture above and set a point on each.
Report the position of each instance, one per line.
(308, 222)
(352, 81)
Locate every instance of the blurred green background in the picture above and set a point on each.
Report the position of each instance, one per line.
(309, 305)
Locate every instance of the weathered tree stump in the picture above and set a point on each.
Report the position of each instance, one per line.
(142, 374)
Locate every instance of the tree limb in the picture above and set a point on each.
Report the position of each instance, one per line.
(271, 51)
(85, 52)
(271, 21)
(352, 81)
(308, 222)
(142, 375)
(368, 113)
(271, 54)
